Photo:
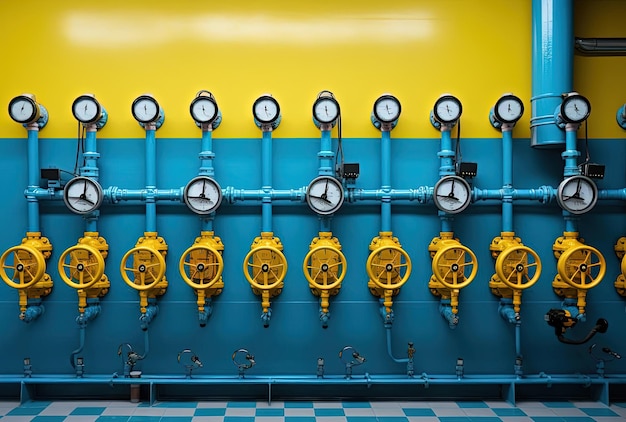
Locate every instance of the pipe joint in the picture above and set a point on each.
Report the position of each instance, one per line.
(445, 309)
(33, 311)
(152, 311)
(507, 311)
(266, 316)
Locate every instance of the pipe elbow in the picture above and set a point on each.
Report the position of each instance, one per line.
(147, 317)
(507, 312)
(446, 311)
(324, 317)
(32, 313)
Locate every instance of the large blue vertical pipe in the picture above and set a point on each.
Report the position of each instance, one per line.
(326, 155)
(507, 179)
(33, 177)
(552, 67)
(446, 154)
(151, 179)
(266, 176)
(571, 153)
(385, 178)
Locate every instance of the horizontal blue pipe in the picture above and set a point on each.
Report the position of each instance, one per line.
(543, 194)
(424, 378)
(619, 194)
(233, 195)
(422, 194)
(114, 194)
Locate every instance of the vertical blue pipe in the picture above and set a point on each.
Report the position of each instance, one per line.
(326, 155)
(150, 180)
(552, 67)
(90, 169)
(266, 169)
(507, 180)
(206, 154)
(571, 154)
(385, 166)
(446, 154)
(33, 177)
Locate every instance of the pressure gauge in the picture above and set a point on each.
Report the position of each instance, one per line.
(387, 109)
(575, 108)
(508, 109)
(266, 109)
(86, 109)
(325, 108)
(577, 194)
(24, 109)
(146, 109)
(82, 195)
(203, 195)
(203, 108)
(447, 109)
(452, 194)
(324, 195)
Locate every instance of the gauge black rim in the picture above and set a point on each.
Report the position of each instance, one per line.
(266, 98)
(203, 98)
(383, 98)
(146, 98)
(448, 98)
(87, 98)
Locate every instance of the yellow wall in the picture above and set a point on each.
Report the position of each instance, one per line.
(414, 49)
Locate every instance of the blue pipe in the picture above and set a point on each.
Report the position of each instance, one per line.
(552, 67)
(152, 311)
(507, 179)
(326, 155)
(571, 153)
(446, 154)
(266, 163)
(389, 352)
(206, 154)
(33, 178)
(90, 169)
(81, 344)
(385, 179)
(543, 194)
(505, 308)
(203, 316)
(33, 311)
(150, 180)
(422, 194)
(445, 309)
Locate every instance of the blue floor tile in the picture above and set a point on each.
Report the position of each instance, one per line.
(361, 419)
(418, 412)
(270, 412)
(577, 419)
(210, 411)
(547, 418)
(113, 419)
(300, 419)
(454, 419)
(48, 419)
(392, 419)
(559, 404)
(298, 404)
(177, 419)
(484, 419)
(329, 412)
(241, 404)
(93, 411)
(177, 404)
(239, 419)
(25, 411)
(144, 419)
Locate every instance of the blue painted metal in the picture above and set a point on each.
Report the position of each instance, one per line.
(326, 155)
(33, 179)
(152, 310)
(206, 154)
(266, 181)
(150, 180)
(33, 311)
(552, 67)
(507, 180)
(446, 154)
(571, 153)
(385, 181)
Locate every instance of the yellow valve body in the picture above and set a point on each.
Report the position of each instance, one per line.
(620, 251)
(388, 267)
(201, 267)
(324, 267)
(450, 263)
(265, 267)
(579, 268)
(147, 269)
(517, 268)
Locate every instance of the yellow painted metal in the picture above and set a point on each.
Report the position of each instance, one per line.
(388, 267)
(579, 268)
(518, 267)
(620, 251)
(325, 267)
(265, 267)
(82, 267)
(414, 49)
(201, 267)
(147, 268)
(450, 262)
(26, 265)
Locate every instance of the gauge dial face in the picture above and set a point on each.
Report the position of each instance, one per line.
(452, 194)
(387, 109)
(324, 195)
(509, 109)
(86, 109)
(577, 194)
(326, 110)
(203, 109)
(145, 109)
(575, 108)
(82, 195)
(203, 195)
(23, 109)
(266, 109)
(447, 109)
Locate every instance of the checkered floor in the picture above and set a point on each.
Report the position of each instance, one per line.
(382, 411)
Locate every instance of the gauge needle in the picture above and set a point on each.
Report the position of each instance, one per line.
(322, 198)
